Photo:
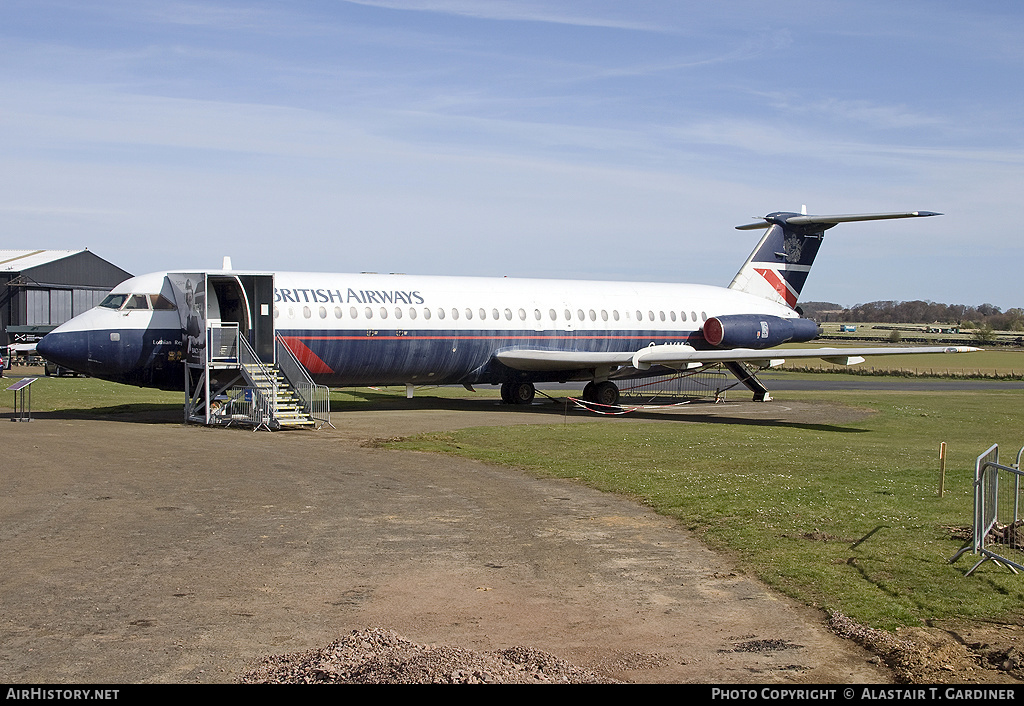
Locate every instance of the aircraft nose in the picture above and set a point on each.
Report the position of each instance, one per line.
(66, 349)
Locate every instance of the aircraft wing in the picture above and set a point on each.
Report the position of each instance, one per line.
(681, 356)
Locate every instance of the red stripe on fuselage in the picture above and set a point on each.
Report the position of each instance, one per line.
(310, 360)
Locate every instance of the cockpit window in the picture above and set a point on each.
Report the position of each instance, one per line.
(137, 301)
(113, 301)
(161, 303)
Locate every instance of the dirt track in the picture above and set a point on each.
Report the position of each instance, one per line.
(140, 550)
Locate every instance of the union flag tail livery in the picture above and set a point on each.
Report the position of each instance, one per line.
(778, 267)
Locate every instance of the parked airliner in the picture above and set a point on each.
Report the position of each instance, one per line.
(372, 329)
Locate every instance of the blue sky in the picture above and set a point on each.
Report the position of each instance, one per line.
(593, 139)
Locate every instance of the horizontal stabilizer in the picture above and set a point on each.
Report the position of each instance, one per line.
(800, 219)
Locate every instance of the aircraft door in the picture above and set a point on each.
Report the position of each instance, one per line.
(259, 290)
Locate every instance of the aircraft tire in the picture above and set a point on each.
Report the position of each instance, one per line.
(506, 393)
(589, 392)
(606, 393)
(523, 392)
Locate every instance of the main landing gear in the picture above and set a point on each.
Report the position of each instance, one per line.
(602, 393)
(518, 392)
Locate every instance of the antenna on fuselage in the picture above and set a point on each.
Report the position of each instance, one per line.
(227, 263)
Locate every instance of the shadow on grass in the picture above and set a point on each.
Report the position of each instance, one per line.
(137, 413)
(702, 412)
(699, 412)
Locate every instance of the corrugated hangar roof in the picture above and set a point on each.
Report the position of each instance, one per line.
(19, 260)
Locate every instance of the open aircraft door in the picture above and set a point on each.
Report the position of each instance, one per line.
(214, 300)
(258, 290)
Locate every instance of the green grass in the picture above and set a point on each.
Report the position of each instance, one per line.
(846, 517)
(89, 394)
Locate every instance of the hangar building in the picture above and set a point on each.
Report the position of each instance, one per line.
(41, 289)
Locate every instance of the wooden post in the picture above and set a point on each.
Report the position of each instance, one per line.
(942, 467)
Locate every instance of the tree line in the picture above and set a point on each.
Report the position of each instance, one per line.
(986, 316)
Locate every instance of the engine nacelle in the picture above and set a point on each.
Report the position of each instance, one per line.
(753, 331)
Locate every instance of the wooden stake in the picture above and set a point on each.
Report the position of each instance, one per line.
(942, 467)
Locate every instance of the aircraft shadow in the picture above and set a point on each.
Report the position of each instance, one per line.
(738, 413)
(700, 412)
(141, 413)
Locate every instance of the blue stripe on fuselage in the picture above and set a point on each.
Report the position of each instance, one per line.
(386, 357)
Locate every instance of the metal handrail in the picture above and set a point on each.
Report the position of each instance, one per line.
(315, 398)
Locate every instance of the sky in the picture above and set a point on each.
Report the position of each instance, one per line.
(579, 139)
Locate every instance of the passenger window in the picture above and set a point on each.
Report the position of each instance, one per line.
(693, 315)
(469, 313)
(412, 313)
(522, 314)
(455, 314)
(323, 312)
(369, 313)
(426, 313)
(483, 314)
(337, 312)
(604, 314)
(383, 313)
(495, 315)
(440, 313)
(398, 313)
(508, 314)
(353, 312)
(593, 315)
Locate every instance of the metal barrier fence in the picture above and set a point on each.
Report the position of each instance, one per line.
(706, 383)
(248, 406)
(998, 534)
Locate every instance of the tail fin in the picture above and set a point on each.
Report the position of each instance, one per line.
(778, 267)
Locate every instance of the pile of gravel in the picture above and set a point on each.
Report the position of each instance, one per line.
(377, 656)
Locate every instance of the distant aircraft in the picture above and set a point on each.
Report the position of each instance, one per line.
(372, 329)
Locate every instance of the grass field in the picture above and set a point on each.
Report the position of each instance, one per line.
(843, 516)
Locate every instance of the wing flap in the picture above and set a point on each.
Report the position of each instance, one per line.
(549, 360)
